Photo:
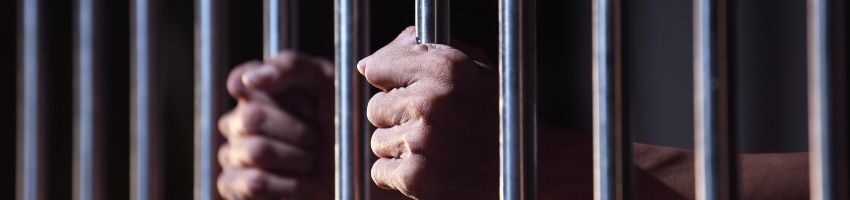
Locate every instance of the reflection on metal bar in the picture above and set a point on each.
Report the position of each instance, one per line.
(827, 40)
(611, 143)
(714, 142)
(280, 24)
(348, 107)
(209, 93)
(146, 124)
(517, 94)
(88, 114)
(31, 108)
(432, 22)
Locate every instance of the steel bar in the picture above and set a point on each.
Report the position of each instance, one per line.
(31, 103)
(349, 156)
(210, 57)
(89, 116)
(827, 56)
(364, 7)
(715, 164)
(611, 143)
(517, 95)
(146, 124)
(280, 24)
(433, 22)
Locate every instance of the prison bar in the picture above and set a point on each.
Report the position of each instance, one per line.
(31, 103)
(280, 26)
(433, 21)
(714, 144)
(210, 54)
(348, 116)
(611, 142)
(89, 123)
(146, 121)
(518, 99)
(827, 90)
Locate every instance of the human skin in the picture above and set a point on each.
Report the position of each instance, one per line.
(436, 138)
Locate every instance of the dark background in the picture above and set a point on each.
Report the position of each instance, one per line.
(770, 73)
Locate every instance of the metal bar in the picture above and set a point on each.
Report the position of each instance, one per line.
(714, 143)
(209, 71)
(349, 157)
(89, 124)
(145, 116)
(433, 22)
(31, 104)
(280, 23)
(827, 84)
(517, 94)
(611, 143)
(364, 6)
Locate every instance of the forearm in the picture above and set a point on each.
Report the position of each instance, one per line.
(761, 176)
(565, 165)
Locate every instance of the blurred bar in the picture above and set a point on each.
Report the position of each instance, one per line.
(827, 48)
(366, 91)
(89, 95)
(517, 94)
(612, 157)
(146, 118)
(349, 155)
(31, 103)
(433, 21)
(280, 24)
(210, 55)
(714, 143)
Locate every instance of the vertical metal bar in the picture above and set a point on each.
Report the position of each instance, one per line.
(433, 21)
(88, 115)
(348, 109)
(209, 92)
(280, 24)
(611, 143)
(827, 84)
(31, 179)
(517, 94)
(365, 39)
(145, 104)
(714, 143)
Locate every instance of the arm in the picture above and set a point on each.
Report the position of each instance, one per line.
(663, 171)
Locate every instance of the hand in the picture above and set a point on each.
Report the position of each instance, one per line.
(280, 136)
(436, 119)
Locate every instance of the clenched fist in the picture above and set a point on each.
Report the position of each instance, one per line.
(280, 136)
(436, 119)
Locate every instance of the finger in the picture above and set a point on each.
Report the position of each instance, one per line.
(262, 119)
(385, 173)
(255, 184)
(387, 109)
(288, 70)
(394, 67)
(234, 80)
(398, 141)
(406, 37)
(268, 154)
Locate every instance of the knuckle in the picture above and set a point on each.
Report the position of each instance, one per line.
(223, 124)
(223, 157)
(374, 107)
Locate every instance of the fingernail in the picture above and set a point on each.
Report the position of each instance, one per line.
(258, 76)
